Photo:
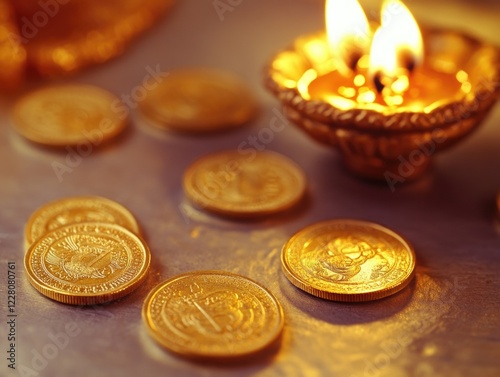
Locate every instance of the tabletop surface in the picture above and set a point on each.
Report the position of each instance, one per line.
(445, 323)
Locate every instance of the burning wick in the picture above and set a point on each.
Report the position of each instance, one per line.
(408, 62)
(396, 50)
(352, 58)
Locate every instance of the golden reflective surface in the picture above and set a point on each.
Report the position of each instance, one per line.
(87, 263)
(74, 210)
(199, 100)
(348, 260)
(212, 314)
(68, 115)
(236, 184)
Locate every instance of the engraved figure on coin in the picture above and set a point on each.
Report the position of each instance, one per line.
(343, 258)
(83, 257)
(221, 314)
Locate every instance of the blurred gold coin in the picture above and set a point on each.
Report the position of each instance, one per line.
(348, 260)
(242, 185)
(199, 100)
(12, 52)
(87, 263)
(81, 115)
(212, 315)
(74, 210)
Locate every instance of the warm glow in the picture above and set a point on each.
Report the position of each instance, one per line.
(462, 76)
(307, 78)
(397, 46)
(359, 80)
(348, 33)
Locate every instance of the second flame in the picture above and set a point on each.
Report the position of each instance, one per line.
(396, 47)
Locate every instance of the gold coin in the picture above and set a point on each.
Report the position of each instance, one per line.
(212, 315)
(80, 115)
(348, 260)
(74, 210)
(88, 263)
(241, 185)
(199, 100)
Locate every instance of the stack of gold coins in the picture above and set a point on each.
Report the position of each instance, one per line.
(348, 260)
(199, 100)
(85, 251)
(67, 115)
(75, 210)
(240, 185)
(213, 315)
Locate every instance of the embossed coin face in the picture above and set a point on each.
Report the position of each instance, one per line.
(199, 100)
(348, 260)
(212, 314)
(86, 264)
(241, 185)
(80, 115)
(76, 210)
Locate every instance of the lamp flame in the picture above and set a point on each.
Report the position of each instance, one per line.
(348, 33)
(397, 47)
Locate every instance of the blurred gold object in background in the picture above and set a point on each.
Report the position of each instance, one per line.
(12, 52)
(199, 100)
(60, 116)
(59, 37)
